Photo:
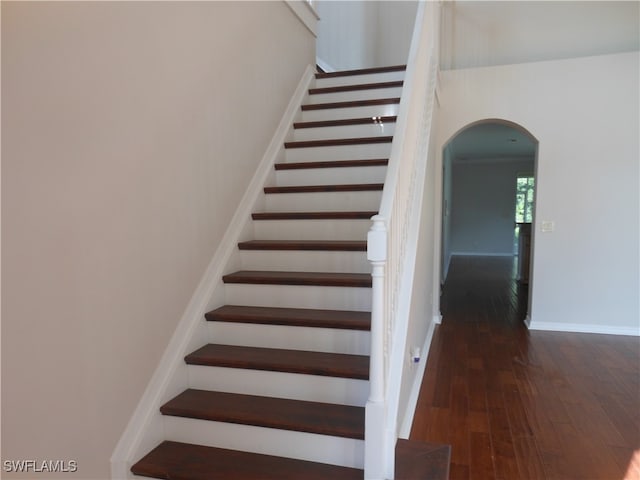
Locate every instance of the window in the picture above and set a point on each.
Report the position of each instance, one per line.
(524, 198)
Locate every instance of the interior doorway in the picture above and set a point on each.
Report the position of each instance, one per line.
(488, 204)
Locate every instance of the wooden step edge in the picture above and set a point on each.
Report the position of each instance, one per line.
(176, 460)
(282, 360)
(338, 142)
(295, 415)
(347, 187)
(297, 317)
(313, 215)
(377, 120)
(318, 279)
(350, 104)
(362, 71)
(356, 87)
(374, 162)
(305, 245)
(421, 460)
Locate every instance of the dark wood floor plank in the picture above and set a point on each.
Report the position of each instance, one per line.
(547, 405)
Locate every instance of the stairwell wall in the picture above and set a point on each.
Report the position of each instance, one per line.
(130, 133)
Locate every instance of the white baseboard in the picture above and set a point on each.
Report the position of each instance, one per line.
(407, 421)
(437, 319)
(582, 328)
(482, 254)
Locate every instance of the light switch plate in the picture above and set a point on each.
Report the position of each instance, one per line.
(547, 226)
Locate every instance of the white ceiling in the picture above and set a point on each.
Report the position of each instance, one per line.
(481, 33)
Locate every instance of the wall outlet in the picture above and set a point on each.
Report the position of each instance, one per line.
(547, 226)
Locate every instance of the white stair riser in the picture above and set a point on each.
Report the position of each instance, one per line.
(298, 296)
(303, 261)
(311, 229)
(330, 340)
(347, 131)
(348, 112)
(352, 95)
(313, 388)
(323, 201)
(359, 79)
(269, 441)
(341, 152)
(331, 176)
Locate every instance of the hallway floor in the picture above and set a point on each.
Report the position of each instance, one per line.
(519, 404)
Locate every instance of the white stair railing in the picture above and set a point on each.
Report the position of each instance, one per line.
(391, 242)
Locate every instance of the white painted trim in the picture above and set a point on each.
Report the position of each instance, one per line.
(407, 421)
(437, 319)
(324, 65)
(582, 328)
(192, 318)
(306, 13)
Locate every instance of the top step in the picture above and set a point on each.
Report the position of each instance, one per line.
(362, 71)
(360, 77)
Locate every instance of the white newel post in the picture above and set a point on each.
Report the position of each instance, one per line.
(375, 422)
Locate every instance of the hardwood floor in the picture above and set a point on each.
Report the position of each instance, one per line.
(519, 404)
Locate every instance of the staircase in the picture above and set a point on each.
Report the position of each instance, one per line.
(281, 392)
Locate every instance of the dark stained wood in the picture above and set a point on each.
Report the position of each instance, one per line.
(361, 86)
(374, 162)
(362, 71)
(350, 187)
(421, 460)
(351, 104)
(326, 279)
(347, 122)
(301, 416)
(313, 215)
(519, 404)
(318, 245)
(280, 360)
(338, 142)
(181, 461)
(300, 317)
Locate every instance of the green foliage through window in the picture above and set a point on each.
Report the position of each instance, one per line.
(524, 199)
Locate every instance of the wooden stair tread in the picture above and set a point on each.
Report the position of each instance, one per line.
(361, 215)
(338, 142)
(326, 279)
(307, 245)
(362, 71)
(360, 86)
(352, 187)
(372, 162)
(269, 412)
(347, 122)
(351, 104)
(421, 460)
(300, 317)
(182, 461)
(281, 360)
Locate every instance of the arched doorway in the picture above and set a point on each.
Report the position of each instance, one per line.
(488, 197)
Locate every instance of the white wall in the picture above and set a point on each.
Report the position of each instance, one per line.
(130, 132)
(483, 205)
(362, 34)
(585, 114)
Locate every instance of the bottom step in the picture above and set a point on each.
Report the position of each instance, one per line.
(173, 460)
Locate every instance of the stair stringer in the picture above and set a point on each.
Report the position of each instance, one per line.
(146, 426)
